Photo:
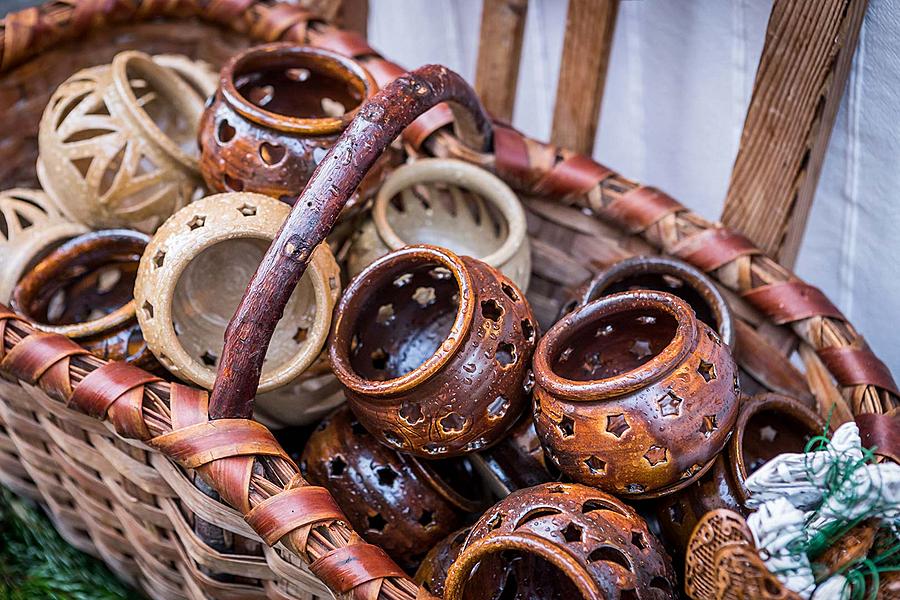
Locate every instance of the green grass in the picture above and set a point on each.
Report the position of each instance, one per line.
(36, 563)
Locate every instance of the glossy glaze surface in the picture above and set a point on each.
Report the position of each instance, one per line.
(395, 502)
(433, 349)
(633, 394)
(561, 541)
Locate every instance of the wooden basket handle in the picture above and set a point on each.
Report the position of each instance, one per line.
(379, 121)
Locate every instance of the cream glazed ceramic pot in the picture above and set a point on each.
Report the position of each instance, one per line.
(451, 204)
(191, 279)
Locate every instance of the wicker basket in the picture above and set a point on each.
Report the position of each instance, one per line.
(106, 478)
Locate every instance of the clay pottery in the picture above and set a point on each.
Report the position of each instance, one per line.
(633, 394)
(767, 425)
(31, 226)
(447, 203)
(396, 502)
(665, 275)
(432, 572)
(198, 74)
(560, 541)
(193, 275)
(118, 144)
(278, 110)
(518, 460)
(84, 290)
(433, 350)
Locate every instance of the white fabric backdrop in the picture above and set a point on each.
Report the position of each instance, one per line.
(679, 83)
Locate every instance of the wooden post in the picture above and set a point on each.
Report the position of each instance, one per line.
(799, 83)
(589, 32)
(499, 52)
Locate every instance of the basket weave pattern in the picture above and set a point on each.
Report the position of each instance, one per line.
(109, 484)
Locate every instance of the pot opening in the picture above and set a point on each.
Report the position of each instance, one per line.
(173, 116)
(670, 283)
(769, 433)
(86, 294)
(445, 215)
(404, 318)
(518, 575)
(457, 480)
(614, 344)
(210, 289)
(299, 85)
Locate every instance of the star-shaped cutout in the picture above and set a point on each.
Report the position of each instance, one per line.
(656, 455)
(707, 370)
(710, 424)
(617, 425)
(670, 405)
(196, 222)
(595, 465)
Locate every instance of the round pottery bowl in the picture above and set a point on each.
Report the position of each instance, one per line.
(447, 203)
(278, 110)
(432, 572)
(560, 541)
(397, 502)
(767, 425)
(193, 275)
(665, 275)
(633, 394)
(118, 144)
(84, 290)
(433, 350)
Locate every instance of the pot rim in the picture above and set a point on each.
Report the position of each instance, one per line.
(664, 265)
(682, 342)
(359, 291)
(44, 273)
(439, 485)
(182, 96)
(445, 170)
(525, 541)
(354, 73)
(753, 406)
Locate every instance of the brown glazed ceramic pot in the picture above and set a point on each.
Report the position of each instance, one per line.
(665, 275)
(278, 110)
(561, 541)
(396, 502)
(432, 573)
(633, 394)
(433, 350)
(767, 425)
(517, 461)
(85, 290)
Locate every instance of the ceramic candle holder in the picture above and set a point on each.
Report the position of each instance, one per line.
(396, 502)
(447, 203)
(560, 541)
(30, 226)
(666, 275)
(767, 425)
(117, 144)
(192, 278)
(633, 394)
(84, 290)
(279, 109)
(433, 349)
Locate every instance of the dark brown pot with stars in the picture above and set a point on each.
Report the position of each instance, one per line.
(397, 502)
(278, 110)
(561, 541)
(633, 394)
(767, 425)
(664, 274)
(433, 349)
(85, 290)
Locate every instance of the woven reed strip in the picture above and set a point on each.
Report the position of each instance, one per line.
(278, 473)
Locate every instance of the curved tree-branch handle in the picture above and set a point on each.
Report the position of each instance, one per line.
(378, 122)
